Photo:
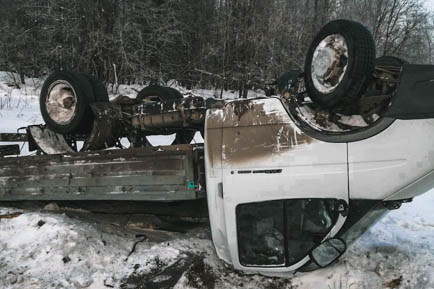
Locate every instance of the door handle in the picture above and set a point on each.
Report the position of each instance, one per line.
(220, 190)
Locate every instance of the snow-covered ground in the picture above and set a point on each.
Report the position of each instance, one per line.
(75, 249)
(55, 250)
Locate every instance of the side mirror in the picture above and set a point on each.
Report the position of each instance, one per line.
(328, 252)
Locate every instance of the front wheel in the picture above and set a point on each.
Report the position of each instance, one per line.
(339, 63)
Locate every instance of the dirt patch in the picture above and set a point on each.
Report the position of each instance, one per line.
(255, 130)
(162, 276)
(247, 144)
(197, 273)
(276, 283)
(395, 283)
(254, 113)
(201, 275)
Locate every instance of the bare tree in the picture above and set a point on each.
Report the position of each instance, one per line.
(228, 44)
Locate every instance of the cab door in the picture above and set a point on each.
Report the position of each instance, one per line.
(283, 191)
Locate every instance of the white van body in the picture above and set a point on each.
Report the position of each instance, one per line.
(256, 154)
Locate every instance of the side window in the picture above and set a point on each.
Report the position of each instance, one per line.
(260, 234)
(281, 233)
(308, 222)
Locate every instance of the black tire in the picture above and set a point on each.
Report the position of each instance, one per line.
(157, 93)
(100, 95)
(99, 90)
(84, 95)
(359, 64)
(175, 93)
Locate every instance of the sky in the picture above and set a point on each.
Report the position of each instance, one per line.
(430, 4)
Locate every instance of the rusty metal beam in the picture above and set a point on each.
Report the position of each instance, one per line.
(13, 137)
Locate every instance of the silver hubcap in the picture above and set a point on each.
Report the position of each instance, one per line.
(61, 102)
(329, 64)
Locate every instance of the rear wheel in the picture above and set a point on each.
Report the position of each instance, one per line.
(157, 93)
(64, 100)
(175, 93)
(339, 63)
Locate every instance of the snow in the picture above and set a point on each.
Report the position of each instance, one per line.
(18, 107)
(68, 249)
(67, 253)
(353, 120)
(33, 256)
(401, 244)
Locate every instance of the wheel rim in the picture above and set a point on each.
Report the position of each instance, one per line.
(61, 102)
(329, 64)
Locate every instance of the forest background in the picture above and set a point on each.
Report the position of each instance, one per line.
(231, 44)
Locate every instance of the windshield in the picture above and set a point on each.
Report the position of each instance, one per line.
(281, 233)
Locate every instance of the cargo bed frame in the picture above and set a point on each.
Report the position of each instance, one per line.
(164, 173)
